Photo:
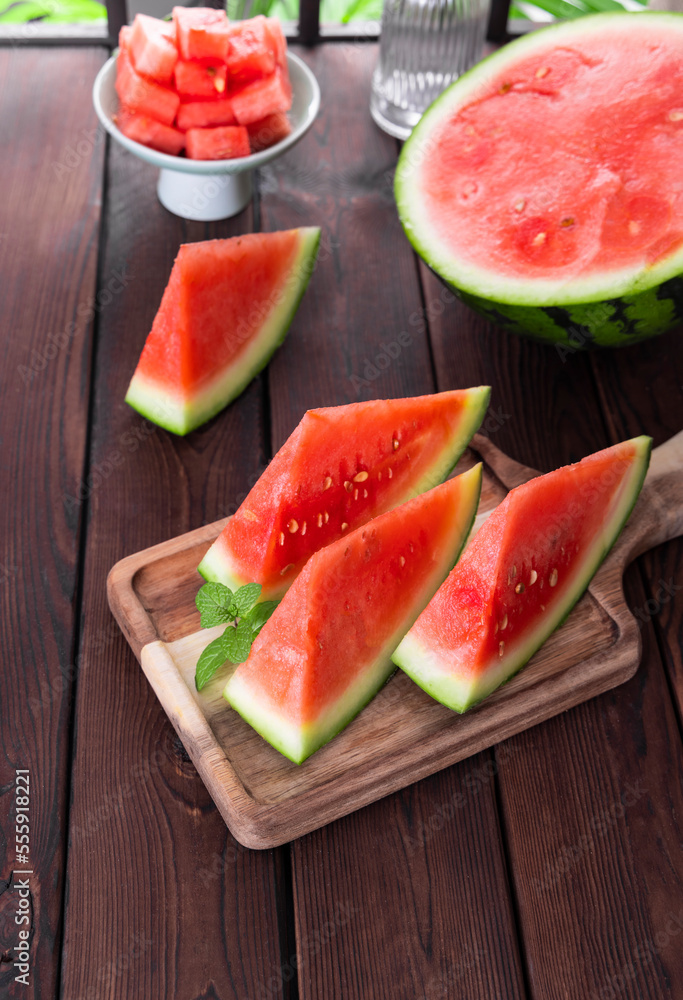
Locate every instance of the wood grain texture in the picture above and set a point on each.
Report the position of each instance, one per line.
(170, 905)
(49, 215)
(573, 809)
(368, 340)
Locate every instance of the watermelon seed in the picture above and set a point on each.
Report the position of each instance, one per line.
(360, 477)
(411, 547)
(282, 538)
(320, 520)
(504, 623)
(533, 577)
(327, 483)
(504, 89)
(379, 476)
(395, 444)
(553, 578)
(568, 221)
(542, 71)
(293, 526)
(543, 607)
(495, 629)
(326, 516)
(365, 494)
(219, 84)
(402, 560)
(389, 474)
(250, 515)
(501, 648)
(675, 116)
(513, 573)
(634, 227)
(303, 528)
(347, 486)
(519, 589)
(344, 526)
(539, 239)
(355, 494)
(286, 569)
(519, 205)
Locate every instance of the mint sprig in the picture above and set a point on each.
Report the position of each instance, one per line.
(244, 618)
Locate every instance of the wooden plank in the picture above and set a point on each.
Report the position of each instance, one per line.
(49, 216)
(164, 897)
(372, 922)
(592, 799)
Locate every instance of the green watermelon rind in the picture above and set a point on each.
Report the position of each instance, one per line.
(599, 310)
(298, 743)
(180, 417)
(216, 566)
(424, 668)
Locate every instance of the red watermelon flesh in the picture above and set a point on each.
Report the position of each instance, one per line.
(261, 98)
(325, 651)
(620, 201)
(222, 143)
(203, 33)
(205, 114)
(251, 54)
(226, 308)
(267, 131)
(152, 48)
(144, 96)
(341, 466)
(148, 131)
(194, 79)
(278, 42)
(521, 575)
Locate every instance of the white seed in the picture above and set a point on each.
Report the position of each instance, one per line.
(320, 520)
(286, 569)
(282, 538)
(379, 476)
(360, 477)
(303, 528)
(676, 116)
(553, 578)
(355, 494)
(542, 71)
(327, 483)
(395, 444)
(533, 577)
(538, 239)
(347, 486)
(365, 494)
(249, 514)
(389, 474)
(344, 526)
(519, 205)
(326, 516)
(293, 526)
(504, 623)
(402, 561)
(501, 648)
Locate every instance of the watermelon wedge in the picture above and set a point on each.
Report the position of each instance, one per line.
(342, 466)
(521, 575)
(227, 306)
(325, 652)
(544, 185)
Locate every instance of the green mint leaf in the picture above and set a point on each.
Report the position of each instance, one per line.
(238, 641)
(213, 657)
(246, 597)
(214, 602)
(260, 614)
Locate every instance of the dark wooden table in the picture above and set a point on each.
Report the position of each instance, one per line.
(561, 876)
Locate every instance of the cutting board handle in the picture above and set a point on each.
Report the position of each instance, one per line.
(658, 514)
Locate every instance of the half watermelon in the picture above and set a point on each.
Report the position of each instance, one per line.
(544, 185)
(227, 306)
(325, 652)
(342, 466)
(521, 575)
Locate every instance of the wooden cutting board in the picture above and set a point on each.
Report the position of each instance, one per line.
(403, 735)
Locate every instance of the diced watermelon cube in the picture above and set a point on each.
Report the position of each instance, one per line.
(261, 98)
(202, 114)
(194, 79)
(224, 143)
(152, 47)
(251, 54)
(148, 131)
(142, 95)
(203, 33)
(267, 131)
(124, 37)
(278, 42)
